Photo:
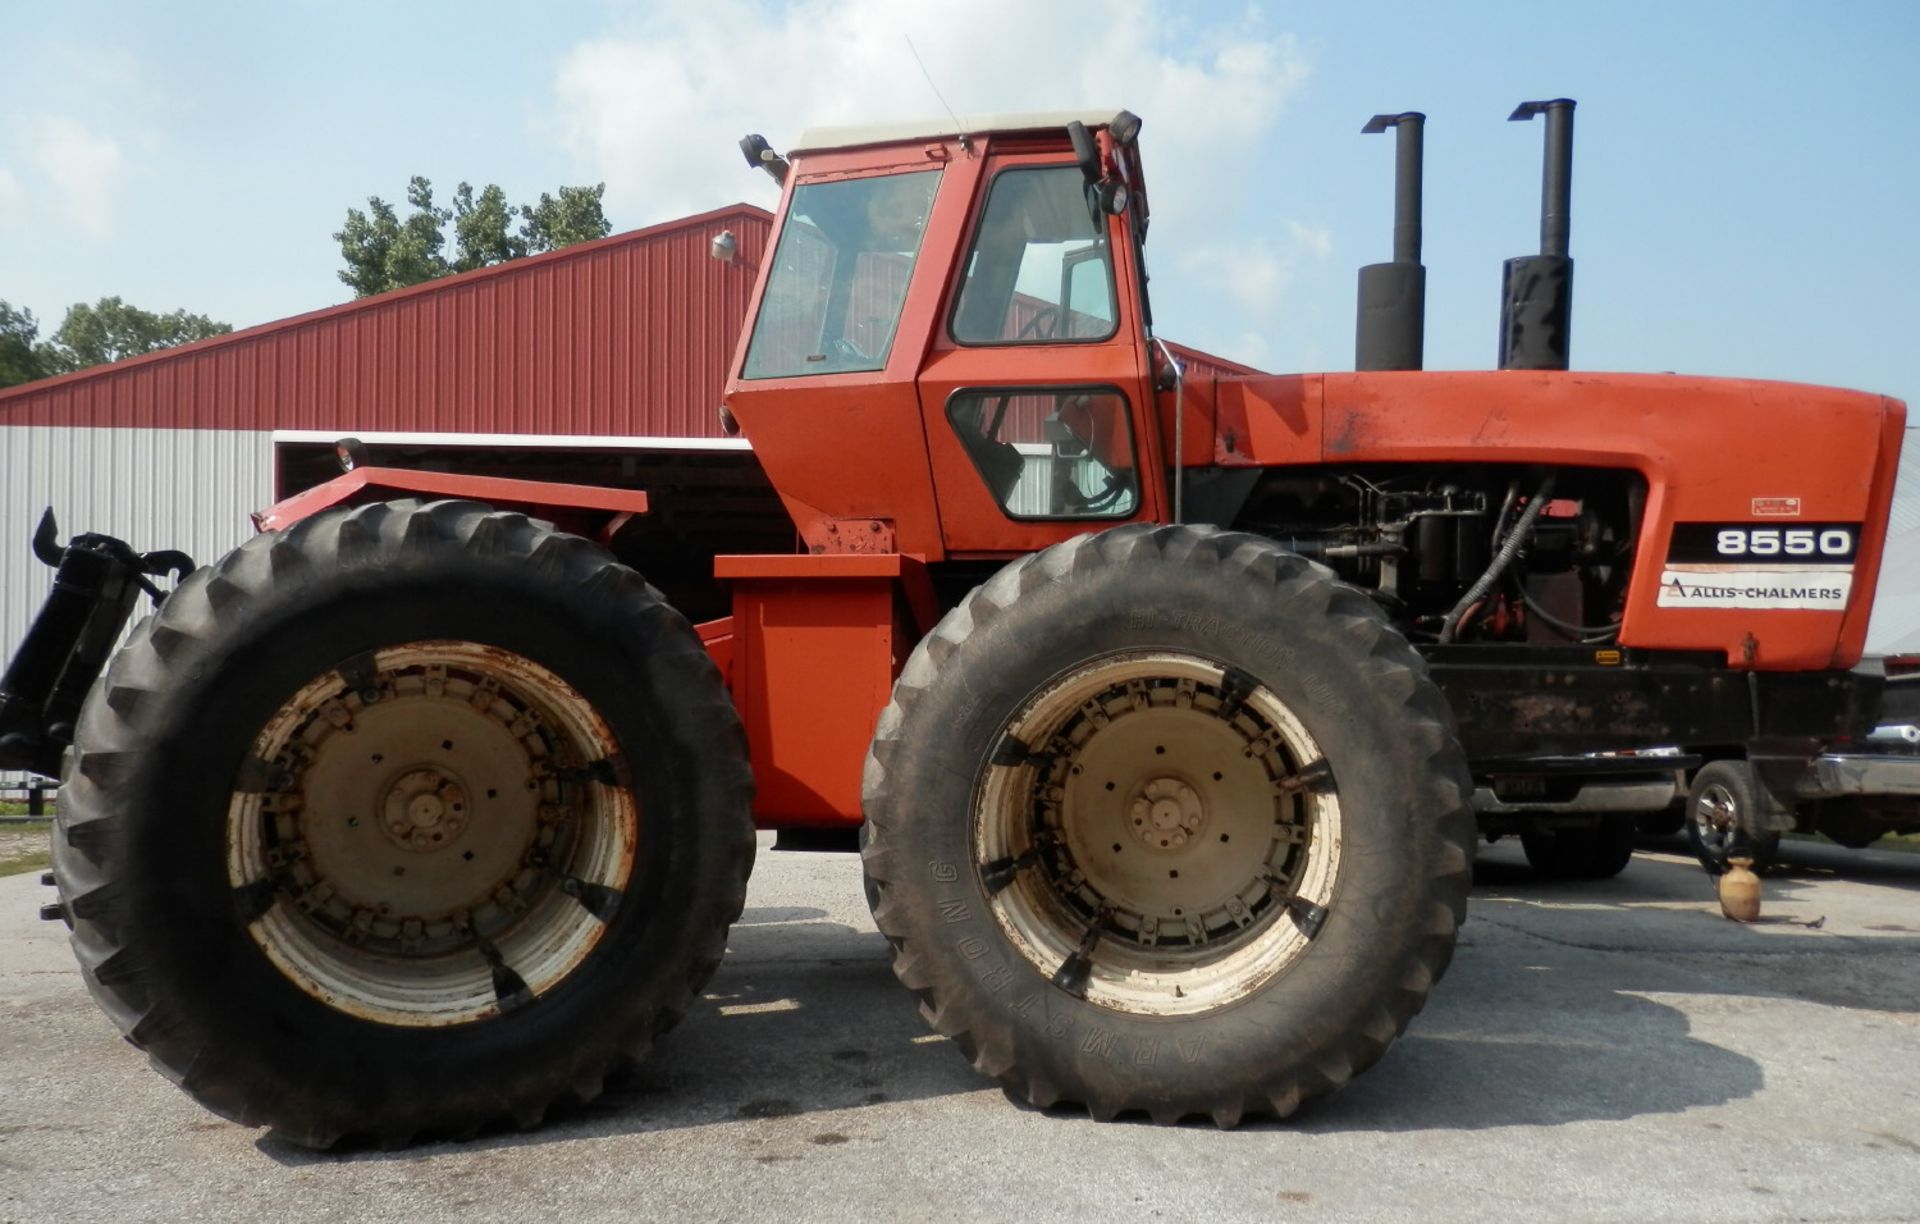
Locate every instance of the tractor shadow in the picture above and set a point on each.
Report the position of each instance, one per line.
(1548, 1016)
(1550, 1012)
(804, 1020)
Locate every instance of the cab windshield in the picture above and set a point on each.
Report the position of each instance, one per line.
(840, 275)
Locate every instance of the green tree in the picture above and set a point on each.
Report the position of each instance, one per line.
(108, 330)
(382, 251)
(111, 330)
(481, 228)
(19, 346)
(574, 216)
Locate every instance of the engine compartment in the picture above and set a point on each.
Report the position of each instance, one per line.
(1423, 538)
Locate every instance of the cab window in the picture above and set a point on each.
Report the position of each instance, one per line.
(840, 275)
(1040, 271)
(1053, 453)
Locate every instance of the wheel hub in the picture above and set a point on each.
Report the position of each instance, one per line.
(422, 807)
(427, 849)
(1166, 813)
(1715, 814)
(424, 810)
(1161, 820)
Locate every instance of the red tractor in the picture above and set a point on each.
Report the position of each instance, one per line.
(1161, 707)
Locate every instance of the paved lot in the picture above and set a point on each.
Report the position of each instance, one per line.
(1611, 1051)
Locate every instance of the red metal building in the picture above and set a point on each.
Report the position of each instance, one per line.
(629, 335)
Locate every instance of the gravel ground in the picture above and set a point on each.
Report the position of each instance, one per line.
(1599, 1052)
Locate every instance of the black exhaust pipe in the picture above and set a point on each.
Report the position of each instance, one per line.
(1536, 291)
(1390, 332)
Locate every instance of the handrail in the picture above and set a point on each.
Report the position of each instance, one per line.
(1179, 428)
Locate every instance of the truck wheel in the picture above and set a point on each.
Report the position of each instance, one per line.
(1168, 819)
(1725, 799)
(408, 819)
(1597, 853)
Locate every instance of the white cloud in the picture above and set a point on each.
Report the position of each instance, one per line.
(83, 166)
(656, 108)
(87, 125)
(1256, 273)
(1314, 240)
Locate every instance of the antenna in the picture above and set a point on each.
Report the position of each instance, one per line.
(957, 126)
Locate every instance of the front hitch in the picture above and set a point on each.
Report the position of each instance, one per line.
(96, 582)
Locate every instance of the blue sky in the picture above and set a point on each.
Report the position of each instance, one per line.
(1745, 182)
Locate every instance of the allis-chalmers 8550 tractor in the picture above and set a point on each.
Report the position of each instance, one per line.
(1162, 707)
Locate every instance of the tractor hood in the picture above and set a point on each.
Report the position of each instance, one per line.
(1738, 454)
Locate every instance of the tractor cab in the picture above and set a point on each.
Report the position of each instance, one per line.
(952, 338)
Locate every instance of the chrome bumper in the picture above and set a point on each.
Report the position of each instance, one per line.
(1859, 773)
(1644, 795)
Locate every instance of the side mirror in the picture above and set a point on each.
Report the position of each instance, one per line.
(760, 156)
(1085, 151)
(1125, 127)
(351, 453)
(1104, 195)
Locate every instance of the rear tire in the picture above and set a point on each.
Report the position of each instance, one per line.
(410, 819)
(1723, 804)
(1597, 853)
(1174, 700)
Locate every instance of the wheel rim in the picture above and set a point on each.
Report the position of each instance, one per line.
(1715, 817)
(433, 834)
(1158, 834)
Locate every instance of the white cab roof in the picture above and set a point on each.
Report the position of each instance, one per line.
(943, 127)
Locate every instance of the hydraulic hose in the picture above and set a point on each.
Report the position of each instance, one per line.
(1508, 551)
(1584, 634)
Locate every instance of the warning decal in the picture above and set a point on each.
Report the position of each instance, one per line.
(1820, 588)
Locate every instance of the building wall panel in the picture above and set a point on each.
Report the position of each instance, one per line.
(190, 489)
(629, 335)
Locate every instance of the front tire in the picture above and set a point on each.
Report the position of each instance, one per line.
(410, 819)
(1168, 820)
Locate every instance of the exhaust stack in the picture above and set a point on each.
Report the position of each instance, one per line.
(1536, 291)
(1390, 331)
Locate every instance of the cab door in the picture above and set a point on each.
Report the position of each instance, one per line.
(1036, 394)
